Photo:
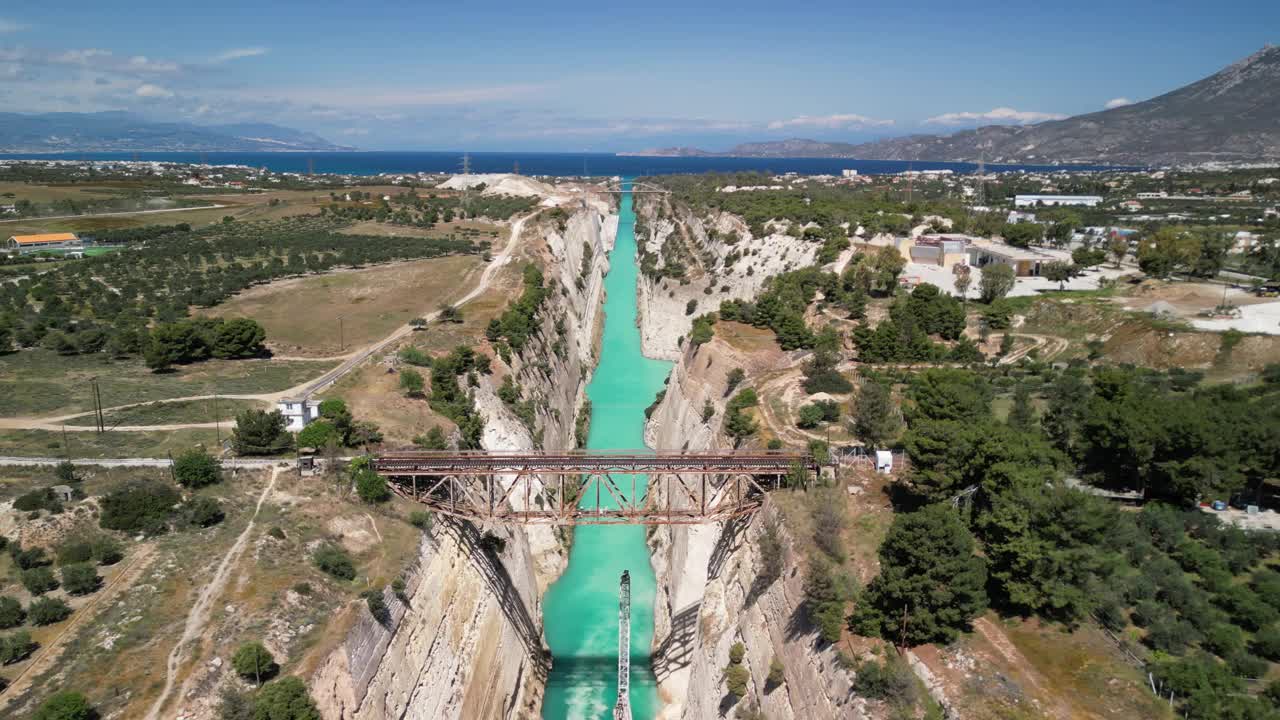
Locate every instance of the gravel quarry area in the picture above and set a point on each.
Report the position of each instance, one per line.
(1260, 318)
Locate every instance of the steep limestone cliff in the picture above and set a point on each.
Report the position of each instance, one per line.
(708, 594)
(468, 641)
(704, 259)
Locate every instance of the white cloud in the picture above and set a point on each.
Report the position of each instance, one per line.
(1118, 102)
(142, 63)
(1002, 115)
(355, 131)
(9, 26)
(829, 122)
(237, 53)
(147, 90)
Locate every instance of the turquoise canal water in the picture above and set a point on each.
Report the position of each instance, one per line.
(580, 610)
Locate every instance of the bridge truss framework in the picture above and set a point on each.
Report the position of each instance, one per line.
(591, 487)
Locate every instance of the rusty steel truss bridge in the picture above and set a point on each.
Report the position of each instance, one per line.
(592, 487)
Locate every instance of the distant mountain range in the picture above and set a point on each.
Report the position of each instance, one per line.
(125, 132)
(1231, 116)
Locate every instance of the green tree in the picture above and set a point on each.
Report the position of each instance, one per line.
(931, 585)
(887, 265)
(1059, 272)
(371, 487)
(254, 662)
(39, 580)
(963, 279)
(47, 611)
(284, 699)
(11, 613)
(1118, 248)
(1022, 415)
(824, 599)
(1022, 234)
(876, 420)
(196, 468)
(65, 705)
(80, 579)
(317, 434)
(239, 338)
(736, 679)
(411, 382)
(734, 379)
(15, 647)
(258, 432)
(996, 282)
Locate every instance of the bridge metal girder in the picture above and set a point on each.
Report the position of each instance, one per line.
(592, 489)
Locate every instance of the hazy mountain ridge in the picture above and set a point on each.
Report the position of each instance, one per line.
(1230, 116)
(125, 132)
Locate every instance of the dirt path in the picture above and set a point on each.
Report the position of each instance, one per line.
(198, 618)
(1049, 346)
(350, 362)
(50, 653)
(994, 635)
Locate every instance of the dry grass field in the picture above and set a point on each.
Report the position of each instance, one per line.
(301, 314)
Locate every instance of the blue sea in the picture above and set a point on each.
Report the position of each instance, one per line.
(557, 164)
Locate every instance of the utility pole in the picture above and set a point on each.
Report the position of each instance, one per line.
(622, 710)
(97, 406)
(217, 421)
(341, 345)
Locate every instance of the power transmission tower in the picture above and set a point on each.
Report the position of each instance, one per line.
(622, 710)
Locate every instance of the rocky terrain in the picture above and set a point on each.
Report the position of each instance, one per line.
(471, 624)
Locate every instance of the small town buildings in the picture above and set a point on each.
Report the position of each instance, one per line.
(945, 250)
(1153, 195)
(298, 411)
(1016, 217)
(1131, 205)
(1075, 200)
(23, 244)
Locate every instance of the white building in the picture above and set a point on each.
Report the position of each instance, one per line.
(1034, 200)
(848, 173)
(1016, 217)
(298, 411)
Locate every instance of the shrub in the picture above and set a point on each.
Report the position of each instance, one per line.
(737, 653)
(65, 705)
(1267, 643)
(736, 678)
(1246, 665)
(203, 511)
(106, 551)
(29, 558)
(772, 553)
(39, 580)
(887, 680)
(11, 613)
(302, 588)
(335, 561)
(142, 506)
(196, 468)
(420, 519)
(377, 606)
(284, 699)
(15, 647)
(371, 487)
(80, 579)
(74, 552)
(66, 472)
(47, 611)
(42, 499)
(777, 672)
(254, 662)
(276, 532)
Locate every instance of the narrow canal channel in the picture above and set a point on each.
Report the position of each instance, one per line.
(581, 609)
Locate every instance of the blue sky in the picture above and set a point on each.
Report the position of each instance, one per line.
(621, 76)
